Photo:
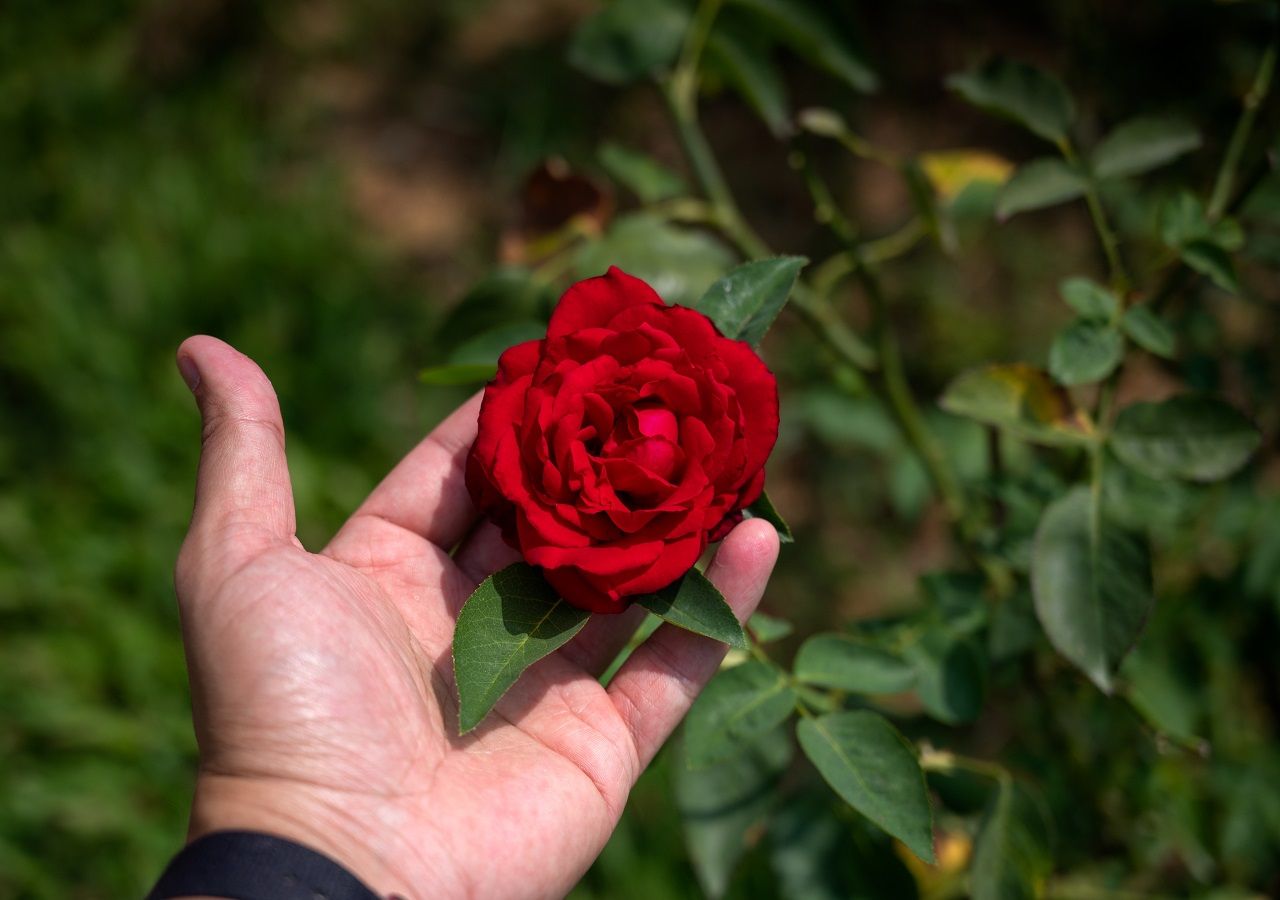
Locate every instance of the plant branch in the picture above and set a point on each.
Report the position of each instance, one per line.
(840, 265)
(1253, 101)
(1180, 275)
(946, 762)
(896, 392)
(1227, 196)
(1106, 235)
(680, 91)
(890, 381)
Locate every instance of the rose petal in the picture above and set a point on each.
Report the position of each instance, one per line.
(596, 560)
(754, 385)
(584, 593)
(644, 486)
(596, 301)
(657, 421)
(656, 455)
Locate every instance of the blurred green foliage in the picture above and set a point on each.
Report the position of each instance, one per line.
(164, 171)
(133, 215)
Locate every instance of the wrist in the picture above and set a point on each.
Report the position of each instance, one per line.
(300, 813)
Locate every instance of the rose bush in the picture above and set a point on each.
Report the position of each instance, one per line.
(612, 451)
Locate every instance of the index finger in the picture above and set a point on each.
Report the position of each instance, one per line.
(426, 492)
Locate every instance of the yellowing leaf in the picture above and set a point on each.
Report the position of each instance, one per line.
(1020, 398)
(951, 171)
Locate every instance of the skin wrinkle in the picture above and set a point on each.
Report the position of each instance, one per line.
(573, 750)
(219, 421)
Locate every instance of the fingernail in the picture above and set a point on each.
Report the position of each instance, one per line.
(190, 374)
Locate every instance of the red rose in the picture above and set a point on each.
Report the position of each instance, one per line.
(613, 450)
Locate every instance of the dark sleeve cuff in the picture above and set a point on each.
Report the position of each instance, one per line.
(246, 865)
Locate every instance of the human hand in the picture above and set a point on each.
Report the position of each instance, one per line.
(322, 683)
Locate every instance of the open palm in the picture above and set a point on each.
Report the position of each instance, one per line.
(322, 683)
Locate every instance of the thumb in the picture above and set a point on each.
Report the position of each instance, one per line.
(243, 495)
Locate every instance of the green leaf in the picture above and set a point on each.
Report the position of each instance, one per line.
(1090, 299)
(763, 508)
(485, 348)
(1211, 260)
(1011, 855)
(1150, 332)
(875, 770)
(722, 806)
(951, 675)
(1091, 581)
(1161, 689)
(1085, 352)
(960, 599)
(678, 263)
(742, 57)
(738, 705)
(744, 303)
(450, 375)
(819, 852)
(1227, 233)
(814, 38)
(1021, 399)
(1143, 144)
(1183, 220)
(848, 664)
(1014, 628)
(694, 603)
(1191, 436)
(512, 620)
(838, 419)
(1203, 245)
(642, 175)
(629, 40)
(508, 295)
(1161, 507)
(1042, 182)
(1019, 92)
(766, 629)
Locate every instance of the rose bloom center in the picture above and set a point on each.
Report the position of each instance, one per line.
(649, 436)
